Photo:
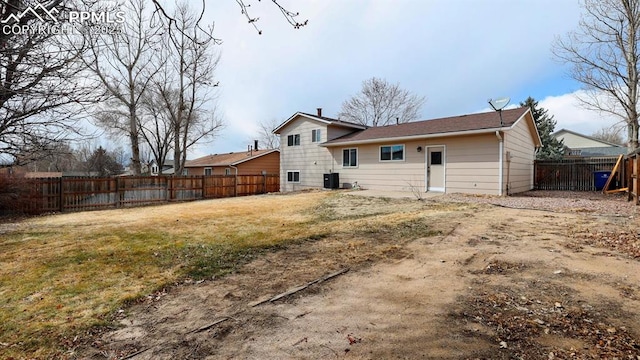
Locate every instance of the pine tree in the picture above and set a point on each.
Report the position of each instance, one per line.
(552, 148)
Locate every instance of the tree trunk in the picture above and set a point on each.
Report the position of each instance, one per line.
(633, 127)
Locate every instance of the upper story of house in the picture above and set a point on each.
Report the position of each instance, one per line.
(302, 134)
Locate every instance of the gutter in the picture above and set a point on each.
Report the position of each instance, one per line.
(235, 188)
(500, 162)
(416, 137)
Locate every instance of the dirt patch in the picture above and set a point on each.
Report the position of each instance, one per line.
(475, 281)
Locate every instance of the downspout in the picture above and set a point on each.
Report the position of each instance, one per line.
(500, 162)
(235, 188)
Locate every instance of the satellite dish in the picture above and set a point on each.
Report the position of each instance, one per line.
(499, 103)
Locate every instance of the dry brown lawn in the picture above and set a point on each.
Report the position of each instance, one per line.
(453, 277)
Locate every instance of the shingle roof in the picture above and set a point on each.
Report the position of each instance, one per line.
(454, 124)
(327, 120)
(335, 121)
(602, 151)
(227, 159)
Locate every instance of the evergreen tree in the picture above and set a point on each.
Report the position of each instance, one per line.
(552, 148)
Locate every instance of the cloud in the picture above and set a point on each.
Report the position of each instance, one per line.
(570, 114)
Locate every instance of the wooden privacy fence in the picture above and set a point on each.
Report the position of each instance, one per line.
(81, 194)
(573, 174)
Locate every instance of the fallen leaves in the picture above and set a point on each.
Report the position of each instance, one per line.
(521, 317)
(622, 241)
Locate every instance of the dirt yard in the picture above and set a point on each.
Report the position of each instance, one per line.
(480, 281)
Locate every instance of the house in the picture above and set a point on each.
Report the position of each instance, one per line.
(167, 168)
(251, 162)
(585, 146)
(486, 153)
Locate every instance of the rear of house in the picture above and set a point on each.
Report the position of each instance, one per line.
(479, 153)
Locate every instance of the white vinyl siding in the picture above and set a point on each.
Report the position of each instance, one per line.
(471, 165)
(311, 159)
(519, 157)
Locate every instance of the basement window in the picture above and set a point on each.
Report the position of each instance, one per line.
(293, 176)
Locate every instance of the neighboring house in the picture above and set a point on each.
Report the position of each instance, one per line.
(585, 146)
(476, 153)
(167, 168)
(252, 162)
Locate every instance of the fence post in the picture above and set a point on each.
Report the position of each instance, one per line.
(203, 187)
(61, 190)
(117, 192)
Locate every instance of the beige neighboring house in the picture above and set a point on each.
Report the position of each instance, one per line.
(252, 162)
(582, 145)
(476, 153)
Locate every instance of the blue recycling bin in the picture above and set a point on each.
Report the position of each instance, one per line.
(600, 179)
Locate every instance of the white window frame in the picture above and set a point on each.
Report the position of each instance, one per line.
(294, 137)
(293, 177)
(227, 171)
(357, 161)
(316, 135)
(391, 154)
(210, 171)
(185, 172)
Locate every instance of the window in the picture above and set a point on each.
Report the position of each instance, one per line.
(316, 135)
(436, 158)
(227, 171)
(349, 157)
(185, 172)
(207, 171)
(392, 153)
(293, 140)
(293, 176)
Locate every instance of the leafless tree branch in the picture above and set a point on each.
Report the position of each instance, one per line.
(381, 103)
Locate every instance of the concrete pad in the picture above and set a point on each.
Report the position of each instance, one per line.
(392, 194)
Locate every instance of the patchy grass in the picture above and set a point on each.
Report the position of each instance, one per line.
(66, 272)
(62, 275)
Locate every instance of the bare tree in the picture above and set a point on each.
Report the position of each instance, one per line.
(186, 83)
(609, 134)
(244, 5)
(40, 90)
(265, 135)
(604, 55)
(124, 64)
(381, 103)
(156, 126)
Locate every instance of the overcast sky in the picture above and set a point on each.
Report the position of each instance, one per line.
(456, 53)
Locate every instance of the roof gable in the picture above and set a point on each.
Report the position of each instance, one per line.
(321, 119)
(593, 142)
(232, 158)
(455, 125)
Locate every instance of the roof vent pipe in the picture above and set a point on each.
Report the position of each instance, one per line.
(255, 145)
(319, 112)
